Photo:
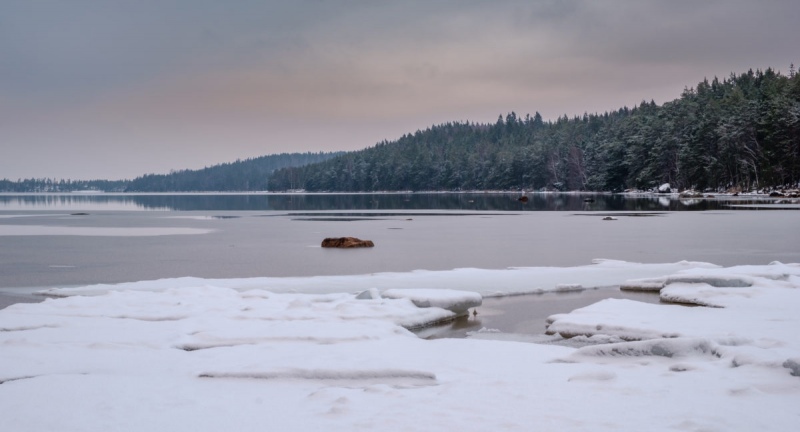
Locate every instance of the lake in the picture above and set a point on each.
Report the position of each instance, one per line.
(370, 201)
(47, 242)
(75, 239)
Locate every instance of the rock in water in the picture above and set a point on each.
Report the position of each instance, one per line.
(346, 242)
(523, 199)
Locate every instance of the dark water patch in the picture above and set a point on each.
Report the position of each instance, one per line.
(7, 299)
(477, 201)
(527, 314)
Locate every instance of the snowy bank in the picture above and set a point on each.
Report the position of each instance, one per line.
(204, 357)
(488, 283)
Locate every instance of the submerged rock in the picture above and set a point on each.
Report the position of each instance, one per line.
(523, 199)
(346, 242)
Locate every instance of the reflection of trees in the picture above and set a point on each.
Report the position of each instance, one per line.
(346, 202)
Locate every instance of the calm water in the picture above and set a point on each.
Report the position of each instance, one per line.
(105, 238)
(526, 315)
(394, 201)
(70, 240)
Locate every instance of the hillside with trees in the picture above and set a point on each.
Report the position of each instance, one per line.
(243, 175)
(52, 185)
(739, 132)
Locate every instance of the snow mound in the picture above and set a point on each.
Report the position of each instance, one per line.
(748, 318)
(489, 283)
(658, 347)
(649, 284)
(703, 294)
(202, 355)
(458, 302)
(340, 376)
(715, 280)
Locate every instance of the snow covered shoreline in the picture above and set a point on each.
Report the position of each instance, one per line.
(250, 354)
(488, 283)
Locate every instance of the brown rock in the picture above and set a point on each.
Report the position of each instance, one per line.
(346, 242)
(523, 199)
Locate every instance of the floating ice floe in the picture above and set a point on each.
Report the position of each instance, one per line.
(751, 308)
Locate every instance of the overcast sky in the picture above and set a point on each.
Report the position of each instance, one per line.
(116, 89)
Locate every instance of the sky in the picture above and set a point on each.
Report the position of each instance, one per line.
(116, 89)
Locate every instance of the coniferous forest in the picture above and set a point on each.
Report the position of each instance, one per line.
(742, 132)
(247, 175)
(243, 175)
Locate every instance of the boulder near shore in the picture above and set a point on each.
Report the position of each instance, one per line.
(346, 242)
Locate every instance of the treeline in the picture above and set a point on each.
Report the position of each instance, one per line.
(739, 132)
(243, 175)
(54, 185)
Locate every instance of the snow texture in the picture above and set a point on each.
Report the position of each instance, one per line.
(489, 283)
(455, 301)
(205, 355)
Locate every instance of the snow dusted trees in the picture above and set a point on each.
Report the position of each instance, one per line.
(743, 131)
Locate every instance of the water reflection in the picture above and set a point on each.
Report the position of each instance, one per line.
(526, 314)
(395, 201)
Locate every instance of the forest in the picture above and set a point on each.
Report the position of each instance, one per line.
(243, 175)
(738, 133)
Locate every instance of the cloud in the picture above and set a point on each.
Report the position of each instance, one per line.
(221, 80)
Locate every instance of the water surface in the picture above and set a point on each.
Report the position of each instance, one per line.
(537, 201)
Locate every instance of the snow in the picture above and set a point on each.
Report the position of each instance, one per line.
(42, 230)
(488, 283)
(458, 302)
(209, 355)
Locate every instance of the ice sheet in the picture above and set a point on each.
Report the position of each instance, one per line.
(489, 283)
(205, 357)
